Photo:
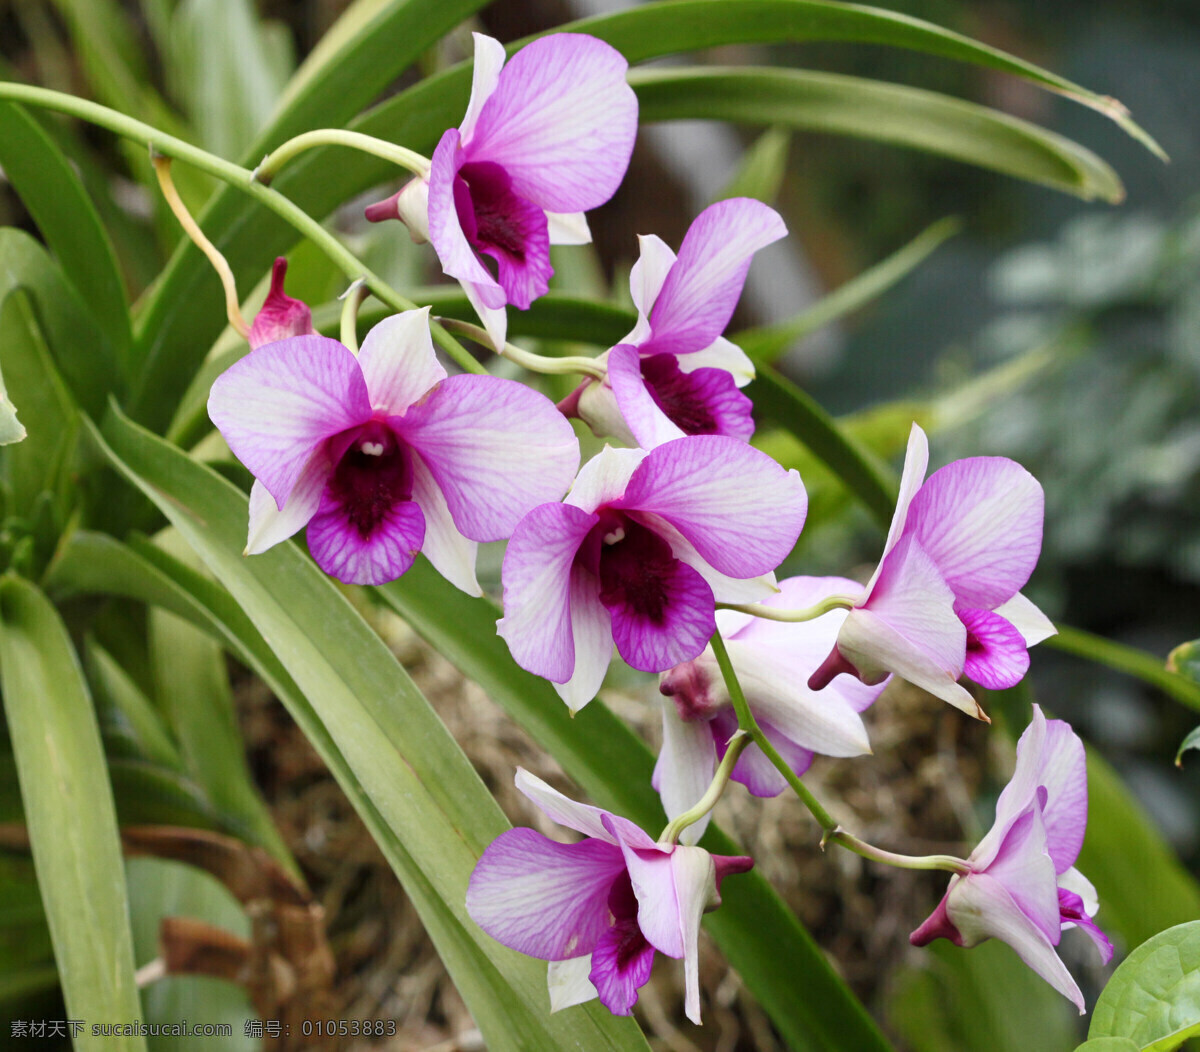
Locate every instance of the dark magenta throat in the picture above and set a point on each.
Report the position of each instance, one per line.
(373, 475)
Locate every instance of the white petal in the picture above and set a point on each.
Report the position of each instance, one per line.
(452, 554)
(604, 477)
(268, 524)
(569, 228)
(720, 354)
(916, 461)
(494, 319)
(489, 60)
(591, 635)
(685, 767)
(1027, 619)
(583, 818)
(569, 983)
(398, 361)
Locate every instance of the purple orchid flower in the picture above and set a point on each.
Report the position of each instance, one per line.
(638, 553)
(597, 910)
(1022, 887)
(945, 598)
(382, 456)
(281, 315)
(772, 660)
(674, 374)
(545, 138)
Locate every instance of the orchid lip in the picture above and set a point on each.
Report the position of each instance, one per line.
(372, 474)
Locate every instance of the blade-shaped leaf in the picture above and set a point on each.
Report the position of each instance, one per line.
(69, 812)
(758, 934)
(418, 793)
(1191, 741)
(762, 168)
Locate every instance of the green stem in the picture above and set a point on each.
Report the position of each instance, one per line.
(830, 830)
(389, 151)
(809, 613)
(351, 300)
(708, 801)
(535, 363)
(239, 177)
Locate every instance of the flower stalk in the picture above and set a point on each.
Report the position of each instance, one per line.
(535, 363)
(708, 801)
(809, 613)
(388, 151)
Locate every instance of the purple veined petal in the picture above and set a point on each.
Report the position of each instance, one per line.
(1033, 625)
(646, 421)
(698, 297)
(449, 240)
(725, 589)
(568, 228)
(495, 319)
(591, 635)
(268, 524)
(1020, 793)
(278, 404)
(489, 61)
(449, 552)
(561, 122)
(623, 959)
(996, 653)
(980, 520)
(583, 818)
(398, 362)
(497, 449)
(685, 767)
(775, 688)
(916, 462)
(1074, 915)
(604, 478)
(568, 982)
(721, 354)
(280, 316)
(542, 898)
(537, 584)
(981, 908)
(646, 279)
(736, 505)
(1026, 870)
(660, 616)
(342, 551)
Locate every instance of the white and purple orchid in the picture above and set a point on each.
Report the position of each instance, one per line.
(598, 909)
(545, 138)
(945, 598)
(675, 374)
(773, 661)
(281, 315)
(1022, 887)
(639, 552)
(382, 456)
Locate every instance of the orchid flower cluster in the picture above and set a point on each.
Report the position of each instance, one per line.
(664, 546)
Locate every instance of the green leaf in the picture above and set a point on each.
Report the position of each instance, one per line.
(758, 934)
(417, 792)
(64, 213)
(760, 175)
(1192, 741)
(11, 429)
(1184, 660)
(1153, 998)
(867, 109)
(765, 344)
(126, 713)
(69, 811)
(1108, 1044)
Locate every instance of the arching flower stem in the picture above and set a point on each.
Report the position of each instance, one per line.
(389, 151)
(237, 176)
(830, 830)
(535, 363)
(352, 299)
(708, 801)
(809, 613)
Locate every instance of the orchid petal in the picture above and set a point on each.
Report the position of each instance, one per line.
(496, 448)
(981, 907)
(604, 478)
(568, 982)
(1027, 872)
(561, 122)
(1074, 881)
(997, 657)
(269, 524)
(698, 297)
(684, 768)
(495, 319)
(278, 404)
(621, 965)
(736, 505)
(543, 898)
(448, 551)
(646, 279)
(721, 354)
(568, 228)
(1033, 625)
(342, 551)
(916, 462)
(591, 634)
(759, 775)
(597, 407)
(1075, 915)
(980, 520)
(449, 240)
(677, 631)
(583, 818)
(648, 424)
(398, 362)
(485, 75)
(537, 581)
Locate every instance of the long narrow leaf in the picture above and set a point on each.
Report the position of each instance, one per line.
(69, 812)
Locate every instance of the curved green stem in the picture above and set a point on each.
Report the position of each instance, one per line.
(708, 801)
(535, 363)
(808, 613)
(830, 830)
(239, 177)
(389, 151)
(351, 300)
